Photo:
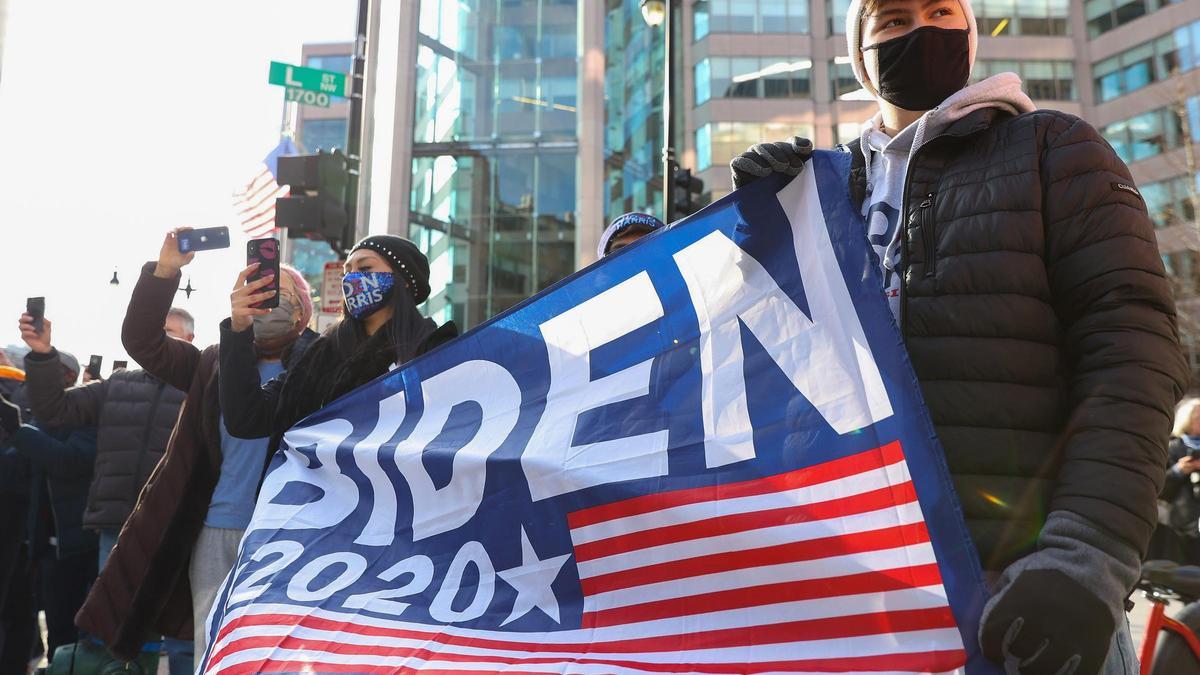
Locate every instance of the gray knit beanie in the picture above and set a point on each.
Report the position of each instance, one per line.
(854, 22)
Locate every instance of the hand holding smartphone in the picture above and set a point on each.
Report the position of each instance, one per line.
(265, 252)
(93, 366)
(204, 239)
(36, 308)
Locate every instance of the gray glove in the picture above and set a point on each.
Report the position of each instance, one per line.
(786, 157)
(1055, 610)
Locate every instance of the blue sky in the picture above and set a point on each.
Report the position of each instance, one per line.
(120, 120)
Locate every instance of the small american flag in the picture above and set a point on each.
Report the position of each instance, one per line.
(823, 569)
(255, 203)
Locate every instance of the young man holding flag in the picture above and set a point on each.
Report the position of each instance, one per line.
(1018, 259)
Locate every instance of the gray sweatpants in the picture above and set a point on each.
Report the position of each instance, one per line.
(213, 556)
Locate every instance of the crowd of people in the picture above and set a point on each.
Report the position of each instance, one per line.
(1014, 251)
(150, 476)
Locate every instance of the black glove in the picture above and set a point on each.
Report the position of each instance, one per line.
(1048, 623)
(10, 418)
(786, 157)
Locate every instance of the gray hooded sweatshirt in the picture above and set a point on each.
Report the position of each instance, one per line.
(887, 164)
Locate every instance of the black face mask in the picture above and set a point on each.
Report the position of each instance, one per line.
(919, 70)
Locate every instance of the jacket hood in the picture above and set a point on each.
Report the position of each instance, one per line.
(1002, 92)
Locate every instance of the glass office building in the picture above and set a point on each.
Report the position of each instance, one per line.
(494, 151)
(633, 123)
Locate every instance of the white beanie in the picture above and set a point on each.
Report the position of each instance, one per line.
(854, 22)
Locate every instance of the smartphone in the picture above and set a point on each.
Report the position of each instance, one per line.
(93, 366)
(1195, 454)
(265, 252)
(205, 239)
(120, 365)
(36, 307)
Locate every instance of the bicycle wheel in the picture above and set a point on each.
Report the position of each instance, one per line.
(1174, 657)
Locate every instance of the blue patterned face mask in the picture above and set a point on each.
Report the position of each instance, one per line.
(366, 292)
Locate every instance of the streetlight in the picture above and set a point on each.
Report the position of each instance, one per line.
(657, 13)
(654, 11)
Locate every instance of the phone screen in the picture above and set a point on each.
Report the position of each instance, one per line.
(265, 252)
(36, 307)
(93, 366)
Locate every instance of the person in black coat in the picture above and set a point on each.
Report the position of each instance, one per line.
(386, 277)
(1022, 269)
(61, 553)
(1182, 487)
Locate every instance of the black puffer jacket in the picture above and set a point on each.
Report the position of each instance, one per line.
(1041, 325)
(134, 414)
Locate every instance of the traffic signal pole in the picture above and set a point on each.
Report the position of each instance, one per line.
(355, 125)
(668, 177)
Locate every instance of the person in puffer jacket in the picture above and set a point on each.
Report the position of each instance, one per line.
(1021, 266)
(134, 414)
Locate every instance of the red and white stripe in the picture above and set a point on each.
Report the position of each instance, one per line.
(824, 569)
(255, 205)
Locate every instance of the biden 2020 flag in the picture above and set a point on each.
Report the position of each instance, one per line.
(705, 454)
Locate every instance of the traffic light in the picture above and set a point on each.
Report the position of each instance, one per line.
(686, 192)
(316, 207)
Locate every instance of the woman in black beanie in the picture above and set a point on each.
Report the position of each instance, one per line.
(386, 277)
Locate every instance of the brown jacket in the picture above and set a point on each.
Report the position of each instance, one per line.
(144, 587)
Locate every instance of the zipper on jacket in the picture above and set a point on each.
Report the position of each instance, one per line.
(137, 474)
(928, 235)
(904, 239)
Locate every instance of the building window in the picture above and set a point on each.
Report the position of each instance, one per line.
(719, 142)
(323, 134)
(338, 63)
(757, 77)
(494, 151)
(1169, 202)
(1042, 80)
(1105, 15)
(1152, 133)
(749, 16)
(1023, 17)
(1183, 269)
(1174, 53)
(835, 10)
(843, 85)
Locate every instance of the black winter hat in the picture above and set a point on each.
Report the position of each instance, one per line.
(406, 260)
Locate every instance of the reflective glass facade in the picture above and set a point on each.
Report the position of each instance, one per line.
(1169, 202)
(719, 142)
(1105, 15)
(1155, 132)
(1042, 80)
(494, 151)
(633, 123)
(1174, 53)
(323, 134)
(749, 16)
(753, 77)
(1022, 17)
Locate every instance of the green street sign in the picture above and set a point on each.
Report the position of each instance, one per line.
(310, 79)
(306, 97)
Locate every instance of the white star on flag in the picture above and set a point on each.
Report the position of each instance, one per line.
(532, 580)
